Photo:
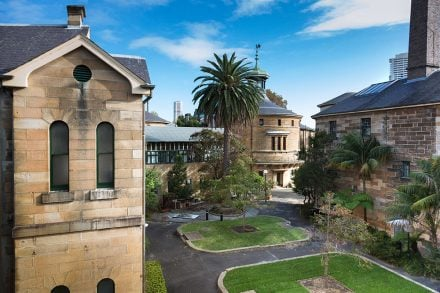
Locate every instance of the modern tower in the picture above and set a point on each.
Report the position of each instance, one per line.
(178, 110)
(398, 66)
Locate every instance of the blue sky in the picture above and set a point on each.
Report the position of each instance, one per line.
(313, 50)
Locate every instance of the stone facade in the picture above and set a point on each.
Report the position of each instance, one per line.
(413, 133)
(73, 240)
(6, 191)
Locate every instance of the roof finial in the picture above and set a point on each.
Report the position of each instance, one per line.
(257, 47)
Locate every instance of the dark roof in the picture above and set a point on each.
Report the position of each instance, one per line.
(399, 93)
(151, 117)
(305, 127)
(173, 134)
(336, 100)
(135, 64)
(268, 108)
(22, 43)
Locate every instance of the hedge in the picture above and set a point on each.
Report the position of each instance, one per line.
(154, 281)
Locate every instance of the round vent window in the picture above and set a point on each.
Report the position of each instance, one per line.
(82, 73)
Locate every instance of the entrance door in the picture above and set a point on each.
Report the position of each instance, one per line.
(280, 178)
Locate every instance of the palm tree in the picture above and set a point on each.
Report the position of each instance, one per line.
(362, 154)
(419, 201)
(228, 94)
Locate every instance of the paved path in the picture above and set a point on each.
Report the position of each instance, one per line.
(190, 271)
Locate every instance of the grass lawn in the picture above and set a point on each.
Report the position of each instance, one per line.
(219, 235)
(283, 276)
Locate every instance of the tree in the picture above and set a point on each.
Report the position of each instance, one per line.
(152, 184)
(229, 94)
(419, 201)
(313, 178)
(362, 154)
(177, 180)
(188, 121)
(276, 98)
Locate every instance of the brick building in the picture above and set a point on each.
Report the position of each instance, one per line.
(404, 114)
(71, 139)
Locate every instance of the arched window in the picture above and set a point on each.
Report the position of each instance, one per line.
(59, 156)
(106, 286)
(60, 289)
(105, 134)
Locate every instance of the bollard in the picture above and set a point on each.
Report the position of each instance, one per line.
(221, 217)
(207, 216)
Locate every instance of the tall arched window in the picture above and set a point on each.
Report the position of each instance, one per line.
(59, 156)
(60, 289)
(106, 286)
(105, 135)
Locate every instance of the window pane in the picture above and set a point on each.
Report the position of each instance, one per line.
(105, 138)
(60, 167)
(105, 168)
(106, 286)
(59, 138)
(60, 289)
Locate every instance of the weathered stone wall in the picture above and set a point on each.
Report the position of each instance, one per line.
(53, 94)
(6, 192)
(412, 132)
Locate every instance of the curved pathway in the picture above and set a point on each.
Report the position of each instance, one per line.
(190, 271)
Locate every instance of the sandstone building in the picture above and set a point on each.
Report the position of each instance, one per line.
(71, 153)
(402, 113)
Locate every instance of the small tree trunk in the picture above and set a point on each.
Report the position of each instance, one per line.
(226, 144)
(364, 191)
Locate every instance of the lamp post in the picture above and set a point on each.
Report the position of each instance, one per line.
(265, 185)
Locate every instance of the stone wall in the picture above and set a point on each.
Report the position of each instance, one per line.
(6, 192)
(412, 132)
(53, 94)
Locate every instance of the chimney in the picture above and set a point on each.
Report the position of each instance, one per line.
(75, 15)
(424, 38)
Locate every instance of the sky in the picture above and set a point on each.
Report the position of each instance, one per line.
(314, 50)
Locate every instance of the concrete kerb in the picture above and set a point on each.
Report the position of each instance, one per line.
(222, 275)
(190, 244)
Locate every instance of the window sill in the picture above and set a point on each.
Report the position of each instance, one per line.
(57, 197)
(103, 194)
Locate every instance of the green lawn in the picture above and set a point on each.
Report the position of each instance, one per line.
(283, 276)
(219, 235)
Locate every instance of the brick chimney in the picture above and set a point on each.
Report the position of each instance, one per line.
(75, 15)
(424, 38)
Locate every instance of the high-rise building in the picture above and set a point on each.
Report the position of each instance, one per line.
(398, 66)
(178, 110)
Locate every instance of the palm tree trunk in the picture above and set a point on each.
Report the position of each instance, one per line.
(364, 191)
(226, 145)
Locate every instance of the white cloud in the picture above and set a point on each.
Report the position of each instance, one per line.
(195, 48)
(340, 15)
(254, 7)
(109, 36)
(146, 3)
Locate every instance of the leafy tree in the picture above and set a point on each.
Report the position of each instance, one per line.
(188, 121)
(313, 178)
(362, 154)
(152, 184)
(348, 200)
(209, 148)
(276, 98)
(229, 94)
(177, 180)
(419, 201)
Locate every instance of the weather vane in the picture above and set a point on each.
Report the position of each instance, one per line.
(257, 47)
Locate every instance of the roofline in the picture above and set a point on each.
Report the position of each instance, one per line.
(373, 110)
(285, 115)
(21, 73)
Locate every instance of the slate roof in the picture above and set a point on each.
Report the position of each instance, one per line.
(400, 93)
(173, 134)
(336, 100)
(268, 108)
(22, 43)
(305, 127)
(151, 117)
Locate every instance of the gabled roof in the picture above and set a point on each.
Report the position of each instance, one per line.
(400, 93)
(173, 134)
(151, 117)
(268, 108)
(20, 44)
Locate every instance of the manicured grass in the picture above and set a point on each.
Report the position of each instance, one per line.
(283, 276)
(218, 235)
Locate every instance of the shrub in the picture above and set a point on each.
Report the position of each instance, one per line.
(154, 280)
(383, 246)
